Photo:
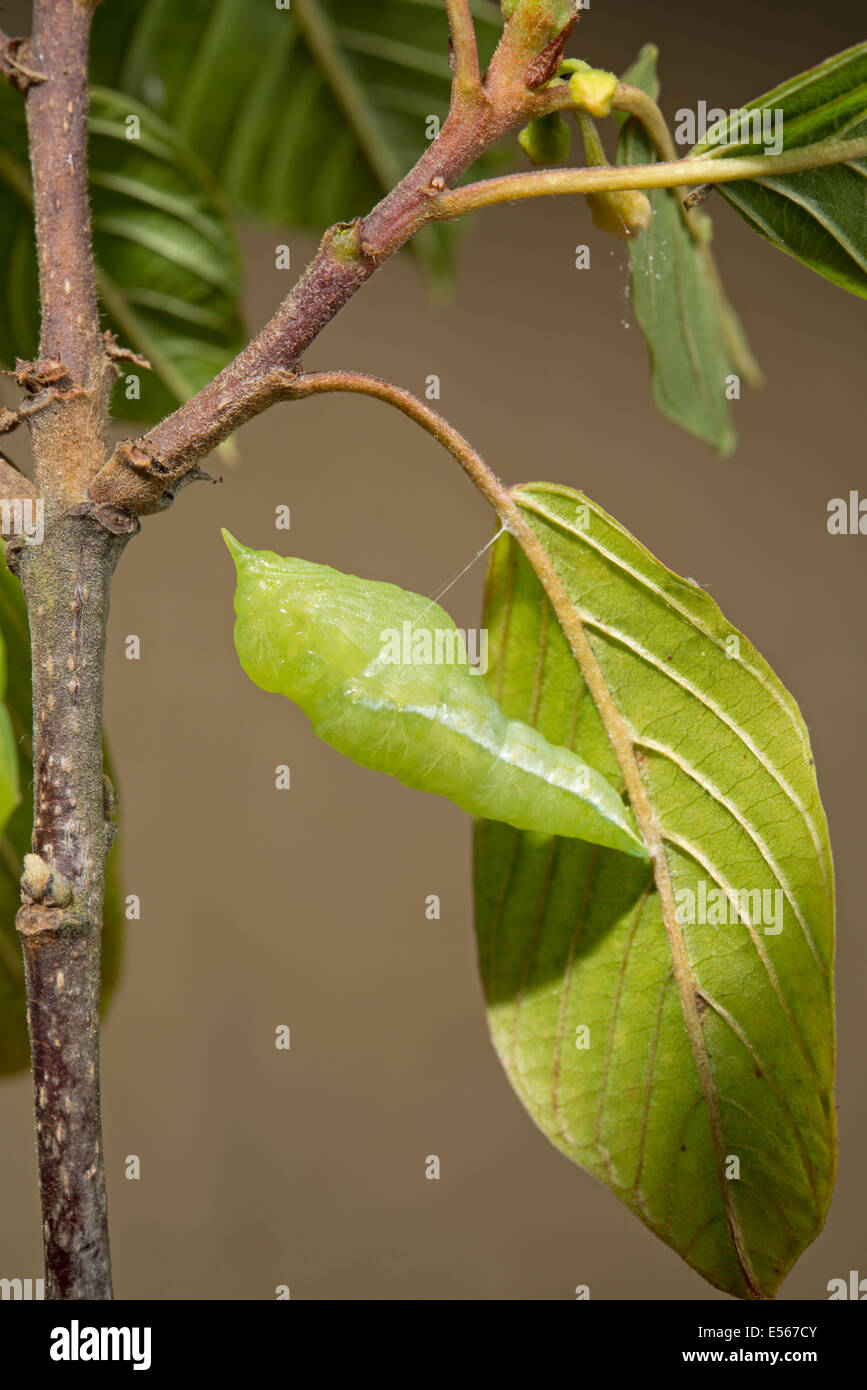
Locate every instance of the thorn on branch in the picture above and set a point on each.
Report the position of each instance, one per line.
(14, 64)
(116, 353)
(198, 475)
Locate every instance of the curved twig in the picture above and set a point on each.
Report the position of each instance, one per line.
(464, 47)
(619, 736)
(542, 183)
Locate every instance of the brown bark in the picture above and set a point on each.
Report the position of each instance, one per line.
(66, 580)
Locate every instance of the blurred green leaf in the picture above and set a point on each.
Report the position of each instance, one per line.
(678, 304)
(819, 217)
(167, 262)
(306, 115)
(571, 936)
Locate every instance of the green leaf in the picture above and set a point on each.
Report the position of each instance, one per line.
(10, 786)
(169, 270)
(689, 328)
(168, 267)
(820, 216)
(15, 842)
(572, 937)
(306, 115)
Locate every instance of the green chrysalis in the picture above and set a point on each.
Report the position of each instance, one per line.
(332, 644)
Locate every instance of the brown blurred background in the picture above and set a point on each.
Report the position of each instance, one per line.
(306, 907)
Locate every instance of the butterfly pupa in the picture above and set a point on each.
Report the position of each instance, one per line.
(320, 638)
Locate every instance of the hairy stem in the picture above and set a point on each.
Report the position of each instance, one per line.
(144, 476)
(543, 183)
(635, 102)
(66, 581)
(57, 124)
(464, 48)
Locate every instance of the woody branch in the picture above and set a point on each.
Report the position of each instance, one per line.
(144, 475)
(66, 580)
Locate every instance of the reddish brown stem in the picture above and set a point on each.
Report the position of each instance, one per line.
(143, 476)
(57, 123)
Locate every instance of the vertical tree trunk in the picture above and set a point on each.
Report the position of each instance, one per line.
(66, 581)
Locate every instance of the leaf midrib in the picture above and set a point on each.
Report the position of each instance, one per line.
(528, 501)
(687, 985)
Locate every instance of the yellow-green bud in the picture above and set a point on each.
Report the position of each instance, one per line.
(623, 214)
(593, 90)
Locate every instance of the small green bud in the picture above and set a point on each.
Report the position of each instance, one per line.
(546, 140)
(593, 91)
(623, 214)
(343, 238)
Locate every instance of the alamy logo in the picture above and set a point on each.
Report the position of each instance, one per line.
(856, 1288)
(77, 1343)
(23, 1289)
(716, 907)
(759, 127)
(423, 646)
(23, 516)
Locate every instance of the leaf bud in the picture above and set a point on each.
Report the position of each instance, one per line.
(546, 140)
(593, 90)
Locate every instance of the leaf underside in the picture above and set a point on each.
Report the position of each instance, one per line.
(681, 312)
(819, 217)
(571, 936)
(15, 843)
